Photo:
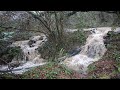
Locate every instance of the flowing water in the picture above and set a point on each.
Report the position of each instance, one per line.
(31, 56)
(92, 51)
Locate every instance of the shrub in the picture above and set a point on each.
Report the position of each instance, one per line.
(116, 56)
(70, 41)
(1, 35)
(76, 38)
(10, 53)
(3, 45)
(19, 36)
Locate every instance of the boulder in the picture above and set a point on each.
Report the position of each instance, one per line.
(31, 42)
(41, 38)
(117, 31)
(14, 64)
(74, 51)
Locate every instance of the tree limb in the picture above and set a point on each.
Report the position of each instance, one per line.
(37, 17)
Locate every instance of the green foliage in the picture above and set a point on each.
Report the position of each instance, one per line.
(3, 45)
(47, 50)
(61, 53)
(82, 24)
(1, 35)
(116, 56)
(19, 36)
(77, 37)
(7, 35)
(91, 67)
(10, 53)
(113, 47)
(14, 51)
(53, 50)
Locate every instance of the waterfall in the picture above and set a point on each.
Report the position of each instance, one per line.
(31, 56)
(92, 51)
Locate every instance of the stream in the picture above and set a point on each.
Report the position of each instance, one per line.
(92, 51)
(31, 56)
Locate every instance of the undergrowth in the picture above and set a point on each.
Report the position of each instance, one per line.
(71, 41)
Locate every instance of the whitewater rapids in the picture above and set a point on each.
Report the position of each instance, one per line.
(31, 57)
(92, 51)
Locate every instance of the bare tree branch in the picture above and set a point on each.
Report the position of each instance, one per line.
(37, 17)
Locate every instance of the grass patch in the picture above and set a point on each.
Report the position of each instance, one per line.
(49, 71)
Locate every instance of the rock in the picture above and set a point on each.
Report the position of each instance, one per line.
(41, 38)
(74, 51)
(113, 32)
(117, 31)
(93, 30)
(36, 38)
(107, 37)
(31, 42)
(14, 64)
